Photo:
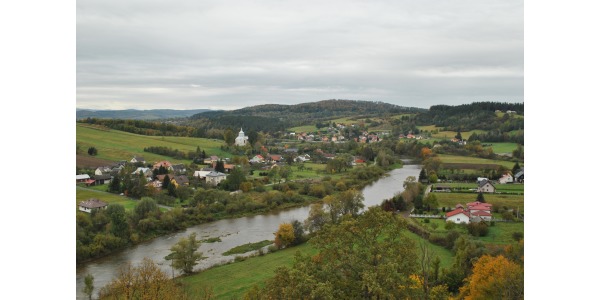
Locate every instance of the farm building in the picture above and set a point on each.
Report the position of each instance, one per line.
(92, 204)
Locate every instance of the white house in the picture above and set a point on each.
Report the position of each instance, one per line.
(138, 159)
(241, 139)
(92, 204)
(213, 178)
(474, 213)
(506, 178)
(201, 174)
(458, 215)
(486, 187)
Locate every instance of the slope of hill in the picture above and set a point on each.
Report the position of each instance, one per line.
(305, 113)
(134, 114)
(115, 145)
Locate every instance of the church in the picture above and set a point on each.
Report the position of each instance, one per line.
(241, 139)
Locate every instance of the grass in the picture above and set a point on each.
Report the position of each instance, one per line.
(444, 254)
(502, 147)
(84, 194)
(247, 247)
(501, 233)
(475, 161)
(118, 145)
(511, 188)
(231, 281)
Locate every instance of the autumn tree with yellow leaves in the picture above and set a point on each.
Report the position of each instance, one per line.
(494, 277)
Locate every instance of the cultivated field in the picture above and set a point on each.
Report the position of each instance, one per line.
(115, 145)
(507, 188)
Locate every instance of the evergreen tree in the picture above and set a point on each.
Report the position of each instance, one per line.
(480, 197)
(516, 169)
(166, 182)
(220, 166)
(422, 175)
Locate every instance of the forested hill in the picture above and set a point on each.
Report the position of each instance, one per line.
(304, 113)
(134, 114)
(477, 115)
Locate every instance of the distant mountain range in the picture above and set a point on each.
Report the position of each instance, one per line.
(134, 114)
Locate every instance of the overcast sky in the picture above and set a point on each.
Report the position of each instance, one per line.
(147, 54)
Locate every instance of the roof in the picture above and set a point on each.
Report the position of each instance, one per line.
(215, 174)
(102, 177)
(484, 182)
(480, 207)
(481, 214)
(82, 176)
(163, 163)
(181, 179)
(476, 203)
(93, 203)
(456, 212)
(520, 173)
(138, 158)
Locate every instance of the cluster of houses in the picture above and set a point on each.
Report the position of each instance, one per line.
(474, 212)
(335, 135)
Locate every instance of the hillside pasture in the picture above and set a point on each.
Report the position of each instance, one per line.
(115, 145)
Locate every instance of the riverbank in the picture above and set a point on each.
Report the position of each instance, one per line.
(232, 232)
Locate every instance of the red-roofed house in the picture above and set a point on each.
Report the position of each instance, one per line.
(475, 211)
(458, 215)
(168, 165)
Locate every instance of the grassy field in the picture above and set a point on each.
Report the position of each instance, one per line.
(500, 233)
(84, 194)
(502, 147)
(511, 188)
(444, 254)
(233, 280)
(475, 161)
(510, 201)
(118, 145)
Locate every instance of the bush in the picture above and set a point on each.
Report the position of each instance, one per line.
(450, 225)
(272, 249)
(517, 236)
(477, 229)
(426, 220)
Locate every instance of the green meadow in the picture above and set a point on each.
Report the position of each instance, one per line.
(503, 188)
(84, 194)
(456, 159)
(497, 200)
(118, 145)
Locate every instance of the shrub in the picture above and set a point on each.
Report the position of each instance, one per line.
(517, 236)
(477, 229)
(272, 249)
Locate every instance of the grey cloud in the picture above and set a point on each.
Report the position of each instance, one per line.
(231, 54)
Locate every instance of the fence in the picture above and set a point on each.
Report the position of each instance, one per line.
(425, 216)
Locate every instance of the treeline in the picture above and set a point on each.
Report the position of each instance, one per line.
(310, 113)
(477, 115)
(498, 136)
(196, 156)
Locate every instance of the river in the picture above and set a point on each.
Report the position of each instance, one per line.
(233, 232)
